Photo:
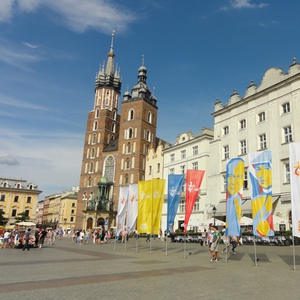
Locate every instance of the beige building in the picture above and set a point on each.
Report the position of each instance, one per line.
(155, 160)
(18, 196)
(59, 210)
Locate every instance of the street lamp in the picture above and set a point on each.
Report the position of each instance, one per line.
(214, 214)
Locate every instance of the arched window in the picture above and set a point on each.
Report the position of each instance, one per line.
(126, 179)
(130, 114)
(114, 127)
(93, 153)
(97, 113)
(127, 164)
(149, 117)
(95, 125)
(91, 167)
(128, 148)
(89, 182)
(130, 133)
(115, 115)
(109, 168)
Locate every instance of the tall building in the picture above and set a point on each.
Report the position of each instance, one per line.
(115, 145)
(18, 196)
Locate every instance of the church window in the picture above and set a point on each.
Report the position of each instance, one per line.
(128, 148)
(126, 179)
(109, 168)
(130, 114)
(130, 133)
(91, 167)
(149, 117)
(127, 164)
(94, 138)
(95, 125)
(97, 113)
(115, 115)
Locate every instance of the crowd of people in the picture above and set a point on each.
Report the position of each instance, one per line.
(29, 238)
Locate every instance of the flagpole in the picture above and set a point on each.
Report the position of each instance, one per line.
(166, 252)
(255, 256)
(294, 256)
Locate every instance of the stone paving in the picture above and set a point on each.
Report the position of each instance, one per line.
(136, 271)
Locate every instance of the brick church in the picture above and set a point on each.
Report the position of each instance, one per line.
(116, 144)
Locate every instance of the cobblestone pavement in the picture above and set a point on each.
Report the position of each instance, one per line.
(140, 270)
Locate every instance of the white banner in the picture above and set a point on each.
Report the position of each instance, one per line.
(295, 186)
(122, 208)
(132, 210)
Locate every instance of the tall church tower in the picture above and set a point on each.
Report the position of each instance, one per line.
(137, 130)
(102, 129)
(115, 146)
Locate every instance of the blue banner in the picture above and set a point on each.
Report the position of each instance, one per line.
(175, 182)
(235, 170)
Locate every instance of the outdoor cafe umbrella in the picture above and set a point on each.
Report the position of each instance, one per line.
(26, 224)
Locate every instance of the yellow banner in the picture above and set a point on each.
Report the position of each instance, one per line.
(144, 207)
(150, 201)
(158, 186)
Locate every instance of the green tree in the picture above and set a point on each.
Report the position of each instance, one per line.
(3, 220)
(22, 217)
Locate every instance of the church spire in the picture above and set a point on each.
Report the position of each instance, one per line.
(110, 65)
(108, 75)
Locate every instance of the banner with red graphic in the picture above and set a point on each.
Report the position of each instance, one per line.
(192, 187)
(295, 186)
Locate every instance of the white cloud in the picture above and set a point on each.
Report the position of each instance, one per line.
(10, 101)
(243, 4)
(45, 158)
(6, 7)
(76, 14)
(29, 45)
(17, 56)
(28, 5)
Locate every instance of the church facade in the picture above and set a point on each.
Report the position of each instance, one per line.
(115, 145)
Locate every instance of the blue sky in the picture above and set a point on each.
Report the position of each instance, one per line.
(195, 52)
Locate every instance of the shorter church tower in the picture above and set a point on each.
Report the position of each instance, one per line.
(137, 130)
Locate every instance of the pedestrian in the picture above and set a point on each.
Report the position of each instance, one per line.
(26, 239)
(214, 248)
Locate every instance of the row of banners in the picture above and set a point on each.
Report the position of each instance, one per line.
(140, 205)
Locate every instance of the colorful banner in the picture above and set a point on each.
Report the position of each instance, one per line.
(132, 207)
(193, 182)
(260, 172)
(150, 200)
(122, 209)
(175, 182)
(144, 219)
(235, 172)
(295, 186)
(158, 187)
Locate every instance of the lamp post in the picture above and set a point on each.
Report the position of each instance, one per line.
(214, 214)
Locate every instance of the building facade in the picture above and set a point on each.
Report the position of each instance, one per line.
(17, 197)
(115, 145)
(59, 210)
(265, 118)
(190, 152)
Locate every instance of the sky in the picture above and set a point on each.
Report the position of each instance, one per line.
(195, 52)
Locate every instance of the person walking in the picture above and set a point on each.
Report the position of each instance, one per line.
(26, 240)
